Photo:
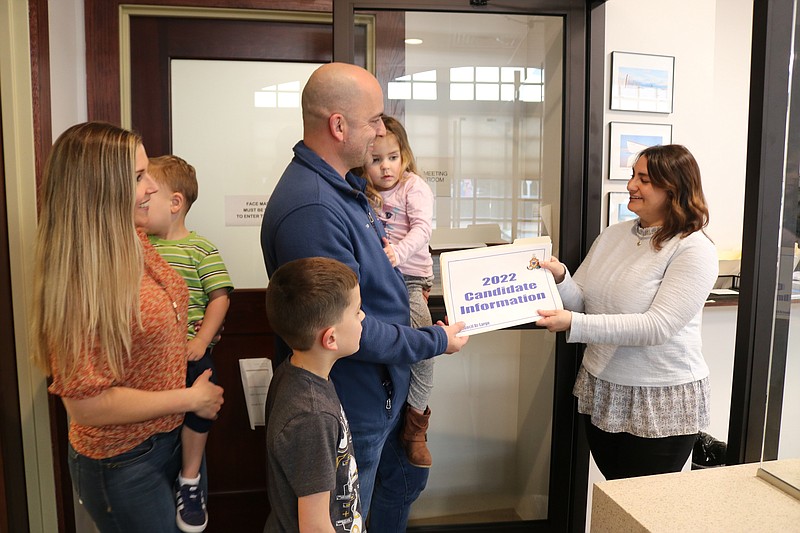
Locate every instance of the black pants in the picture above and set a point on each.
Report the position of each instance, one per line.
(622, 455)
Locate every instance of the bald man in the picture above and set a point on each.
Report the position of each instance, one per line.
(319, 208)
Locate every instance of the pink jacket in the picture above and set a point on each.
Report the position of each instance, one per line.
(406, 214)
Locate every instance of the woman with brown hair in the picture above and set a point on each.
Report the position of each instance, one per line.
(636, 301)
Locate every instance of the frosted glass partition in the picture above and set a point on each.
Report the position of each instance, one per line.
(490, 433)
(481, 96)
(236, 122)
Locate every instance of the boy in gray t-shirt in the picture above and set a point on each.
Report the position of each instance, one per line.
(314, 305)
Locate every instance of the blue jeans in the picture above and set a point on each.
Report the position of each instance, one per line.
(133, 492)
(389, 484)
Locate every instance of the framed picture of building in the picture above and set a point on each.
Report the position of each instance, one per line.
(627, 139)
(641, 82)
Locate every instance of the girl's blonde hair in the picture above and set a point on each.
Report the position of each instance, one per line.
(407, 161)
(89, 260)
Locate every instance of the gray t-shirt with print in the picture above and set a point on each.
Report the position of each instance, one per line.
(309, 450)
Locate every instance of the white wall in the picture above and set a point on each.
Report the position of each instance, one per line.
(710, 40)
(789, 443)
(67, 64)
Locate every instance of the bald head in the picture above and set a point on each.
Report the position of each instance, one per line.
(342, 107)
(336, 88)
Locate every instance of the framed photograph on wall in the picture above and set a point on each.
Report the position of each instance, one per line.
(618, 207)
(627, 139)
(641, 82)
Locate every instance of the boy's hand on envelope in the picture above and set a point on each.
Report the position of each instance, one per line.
(454, 343)
(554, 319)
(557, 268)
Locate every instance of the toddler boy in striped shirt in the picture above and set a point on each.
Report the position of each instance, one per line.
(199, 262)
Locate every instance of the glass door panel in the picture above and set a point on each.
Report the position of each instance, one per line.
(789, 273)
(239, 149)
(480, 96)
(782, 425)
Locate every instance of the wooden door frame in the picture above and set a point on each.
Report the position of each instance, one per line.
(103, 33)
(152, 37)
(237, 488)
(581, 168)
(106, 91)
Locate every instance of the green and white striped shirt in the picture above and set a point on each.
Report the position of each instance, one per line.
(200, 264)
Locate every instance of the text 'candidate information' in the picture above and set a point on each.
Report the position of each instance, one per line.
(499, 286)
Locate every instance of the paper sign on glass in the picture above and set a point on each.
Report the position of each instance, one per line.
(256, 377)
(499, 286)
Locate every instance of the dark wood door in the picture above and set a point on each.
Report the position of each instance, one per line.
(155, 41)
(235, 453)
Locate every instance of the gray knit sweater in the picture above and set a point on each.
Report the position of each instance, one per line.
(638, 310)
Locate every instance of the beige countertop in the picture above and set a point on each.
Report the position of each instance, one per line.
(725, 499)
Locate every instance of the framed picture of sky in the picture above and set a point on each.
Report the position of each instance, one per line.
(627, 139)
(618, 208)
(641, 82)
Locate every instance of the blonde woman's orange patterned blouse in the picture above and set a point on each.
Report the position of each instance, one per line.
(158, 362)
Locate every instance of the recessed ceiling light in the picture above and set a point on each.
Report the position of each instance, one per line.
(413, 41)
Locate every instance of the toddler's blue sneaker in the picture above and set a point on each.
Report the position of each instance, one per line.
(191, 516)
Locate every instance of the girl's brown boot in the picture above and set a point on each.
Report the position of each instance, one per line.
(414, 437)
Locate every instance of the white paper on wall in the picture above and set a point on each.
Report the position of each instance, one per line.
(245, 210)
(256, 377)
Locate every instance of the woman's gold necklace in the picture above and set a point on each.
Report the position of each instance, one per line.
(643, 233)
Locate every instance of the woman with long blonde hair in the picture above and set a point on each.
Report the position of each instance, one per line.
(109, 325)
